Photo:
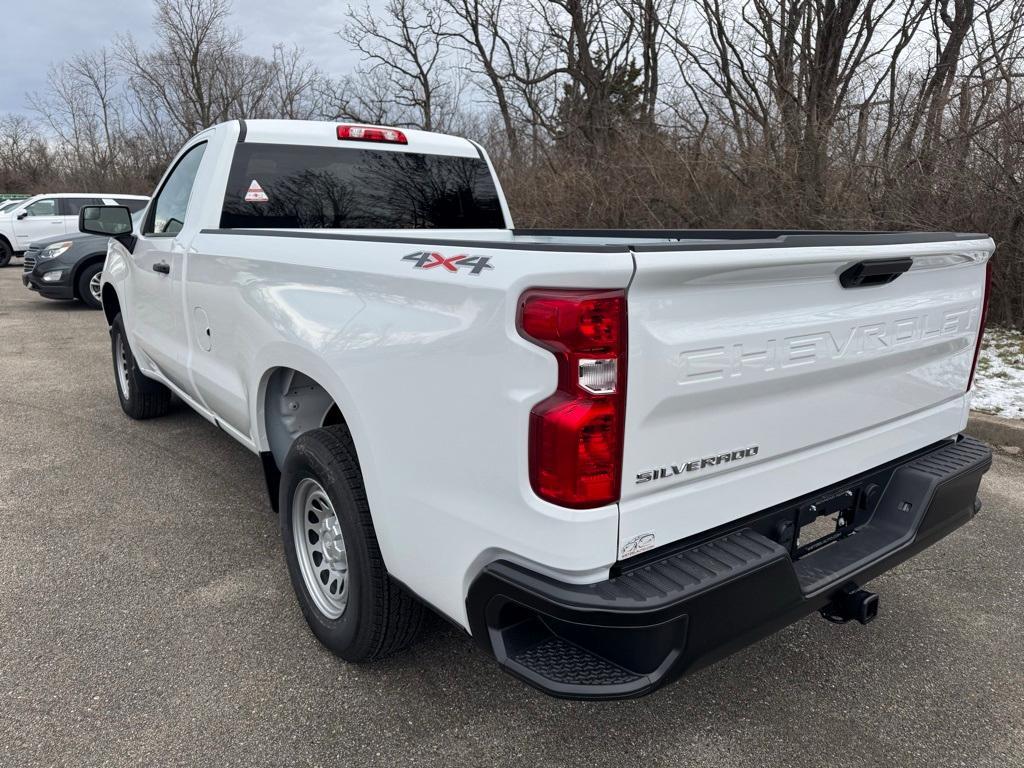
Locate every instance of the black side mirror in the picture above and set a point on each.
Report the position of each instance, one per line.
(111, 220)
(22, 215)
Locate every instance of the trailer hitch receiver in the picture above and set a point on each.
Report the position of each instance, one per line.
(851, 603)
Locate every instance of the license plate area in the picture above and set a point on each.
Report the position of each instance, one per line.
(826, 520)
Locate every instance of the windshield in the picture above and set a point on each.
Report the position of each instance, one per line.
(300, 187)
(9, 205)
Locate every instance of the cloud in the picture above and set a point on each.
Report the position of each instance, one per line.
(35, 38)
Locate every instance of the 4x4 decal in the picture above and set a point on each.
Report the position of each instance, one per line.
(430, 259)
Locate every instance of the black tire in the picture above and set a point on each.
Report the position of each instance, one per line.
(381, 617)
(6, 253)
(144, 398)
(82, 285)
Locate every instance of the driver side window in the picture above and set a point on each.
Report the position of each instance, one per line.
(47, 207)
(167, 214)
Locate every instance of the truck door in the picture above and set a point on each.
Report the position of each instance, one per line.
(157, 325)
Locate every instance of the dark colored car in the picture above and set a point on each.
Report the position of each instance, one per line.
(68, 266)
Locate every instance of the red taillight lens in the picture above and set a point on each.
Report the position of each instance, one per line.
(981, 322)
(371, 133)
(576, 434)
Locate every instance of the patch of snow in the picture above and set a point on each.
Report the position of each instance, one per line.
(999, 382)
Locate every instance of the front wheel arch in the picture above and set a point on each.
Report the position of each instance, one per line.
(111, 304)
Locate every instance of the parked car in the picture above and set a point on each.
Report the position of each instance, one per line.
(50, 215)
(68, 266)
(612, 457)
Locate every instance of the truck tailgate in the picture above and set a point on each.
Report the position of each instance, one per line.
(756, 377)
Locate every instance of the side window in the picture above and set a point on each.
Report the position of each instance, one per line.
(46, 207)
(167, 214)
(72, 205)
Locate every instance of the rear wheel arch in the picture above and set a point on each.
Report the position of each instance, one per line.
(291, 403)
(294, 402)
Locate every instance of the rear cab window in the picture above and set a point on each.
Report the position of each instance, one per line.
(282, 186)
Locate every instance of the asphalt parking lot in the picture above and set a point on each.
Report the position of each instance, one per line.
(146, 618)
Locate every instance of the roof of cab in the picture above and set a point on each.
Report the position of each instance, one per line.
(325, 134)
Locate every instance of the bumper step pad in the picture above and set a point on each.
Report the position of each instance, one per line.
(691, 570)
(562, 662)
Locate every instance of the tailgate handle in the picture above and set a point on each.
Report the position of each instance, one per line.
(874, 272)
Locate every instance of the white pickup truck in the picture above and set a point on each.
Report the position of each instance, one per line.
(610, 456)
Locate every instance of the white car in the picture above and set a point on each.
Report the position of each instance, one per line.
(49, 215)
(610, 456)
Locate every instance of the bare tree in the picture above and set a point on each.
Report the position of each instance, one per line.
(300, 91)
(84, 108)
(480, 31)
(24, 156)
(404, 48)
(197, 75)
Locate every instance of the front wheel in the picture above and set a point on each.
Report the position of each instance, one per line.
(350, 602)
(141, 397)
(90, 286)
(6, 253)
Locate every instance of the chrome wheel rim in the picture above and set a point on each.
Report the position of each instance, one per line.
(320, 548)
(121, 364)
(95, 286)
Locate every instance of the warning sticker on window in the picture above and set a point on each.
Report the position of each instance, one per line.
(255, 194)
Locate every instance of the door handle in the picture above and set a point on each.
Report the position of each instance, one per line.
(162, 267)
(874, 272)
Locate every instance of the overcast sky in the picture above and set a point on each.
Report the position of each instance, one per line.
(38, 35)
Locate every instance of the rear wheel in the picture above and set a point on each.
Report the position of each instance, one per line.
(5, 253)
(141, 397)
(88, 286)
(350, 602)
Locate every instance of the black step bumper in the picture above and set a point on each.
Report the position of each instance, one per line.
(685, 607)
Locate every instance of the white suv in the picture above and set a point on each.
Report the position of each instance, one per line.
(49, 215)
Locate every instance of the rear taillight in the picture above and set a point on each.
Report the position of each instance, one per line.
(981, 322)
(371, 133)
(576, 433)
